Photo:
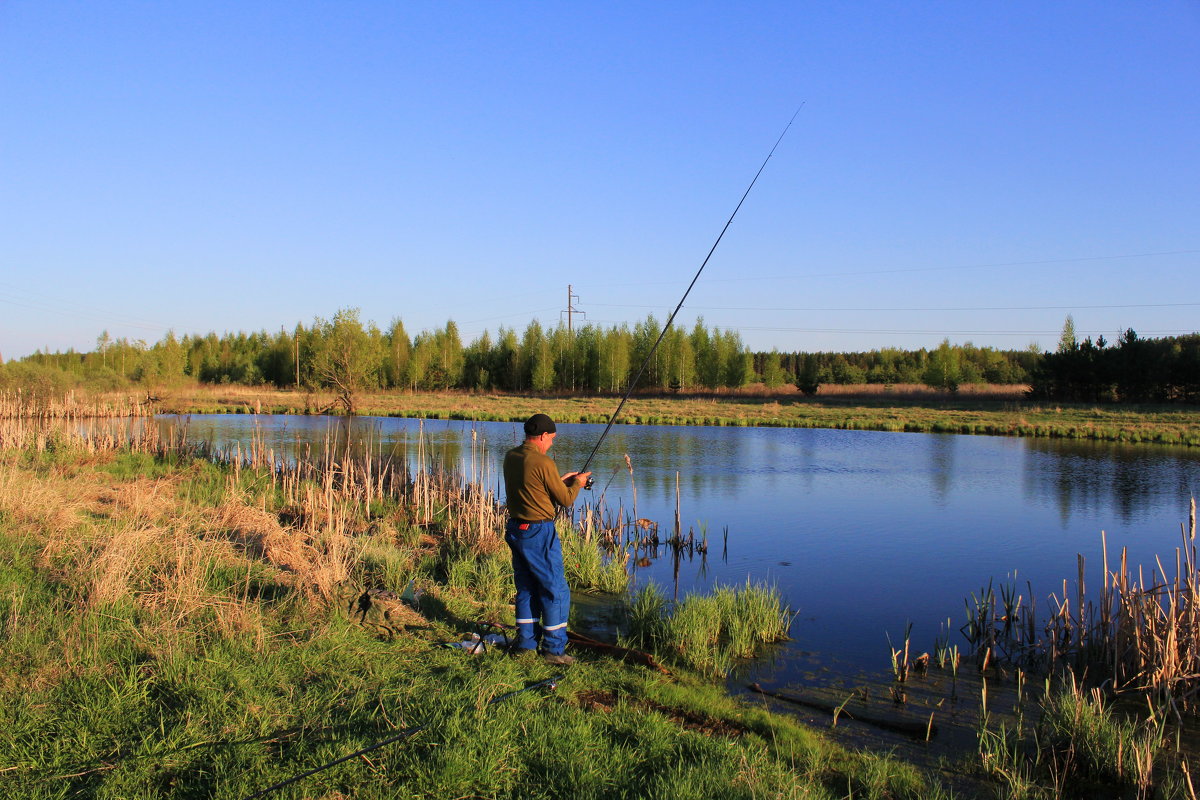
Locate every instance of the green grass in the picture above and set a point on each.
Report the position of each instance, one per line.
(588, 567)
(133, 715)
(1076, 745)
(708, 633)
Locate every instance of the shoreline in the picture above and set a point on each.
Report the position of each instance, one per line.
(973, 414)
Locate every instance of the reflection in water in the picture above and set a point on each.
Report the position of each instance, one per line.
(941, 455)
(1089, 477)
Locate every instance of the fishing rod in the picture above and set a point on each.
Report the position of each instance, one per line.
(638, 376)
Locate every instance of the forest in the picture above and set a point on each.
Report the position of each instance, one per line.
(1134, 370)
(345, 354)
(588, 358)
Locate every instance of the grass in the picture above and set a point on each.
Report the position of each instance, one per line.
(173, 628)
(1079, 746)
(708, 633)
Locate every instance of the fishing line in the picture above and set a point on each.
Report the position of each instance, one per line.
(638, 376)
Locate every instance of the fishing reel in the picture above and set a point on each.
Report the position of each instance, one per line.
(589, 483)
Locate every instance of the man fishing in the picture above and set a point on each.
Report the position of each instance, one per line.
(534, 491)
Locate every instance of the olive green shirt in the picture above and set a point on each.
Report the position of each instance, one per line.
(533, 485)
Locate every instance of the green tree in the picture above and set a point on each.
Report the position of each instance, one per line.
(399, 350)
(944, 368)
(449, 356)
(422, 363)
(172, 358)
(541, 370)
(773, 375)
(709, 366)
(506, 360)
(614, 361)
(477, 362)
(1066, 340)
(345, 360)
(645, 334)
(585, 350)
(808, 377)
(680, 361)
(532, 351)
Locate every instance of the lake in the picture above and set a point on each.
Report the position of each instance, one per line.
(863, 532)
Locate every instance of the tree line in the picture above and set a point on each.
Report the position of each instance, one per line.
(945, 367)
(347, 356)
(1132, 370)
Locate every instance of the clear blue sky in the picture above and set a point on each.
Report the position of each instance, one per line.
(967, 170)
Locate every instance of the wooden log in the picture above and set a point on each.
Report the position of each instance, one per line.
(917, 730)
(623, 653)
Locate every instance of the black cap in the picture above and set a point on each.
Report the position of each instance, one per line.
(538, 424)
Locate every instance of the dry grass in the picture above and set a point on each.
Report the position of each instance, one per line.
(137, 539)
(259, 533)
(977, 391)
(260, 399)
(35, 501)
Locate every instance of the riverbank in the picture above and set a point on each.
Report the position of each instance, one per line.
(177, 629)
(905, 409)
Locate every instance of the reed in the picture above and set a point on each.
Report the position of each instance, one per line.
(1099, 744)
(588, 566)
(1140, 635)
(69, 406)
(1134, 642)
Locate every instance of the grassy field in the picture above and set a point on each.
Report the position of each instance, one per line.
(999, 411)
(178, 629)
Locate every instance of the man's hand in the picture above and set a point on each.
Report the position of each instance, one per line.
(571, 477)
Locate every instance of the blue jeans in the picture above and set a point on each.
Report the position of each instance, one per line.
(543, 598)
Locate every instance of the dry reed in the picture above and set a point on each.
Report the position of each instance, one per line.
(24, 404)
(1141, 635)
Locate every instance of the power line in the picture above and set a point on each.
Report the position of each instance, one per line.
(903, 270)
(914, 308)
(905, 331)
(76, 313)
(997, 265)
(938, 332)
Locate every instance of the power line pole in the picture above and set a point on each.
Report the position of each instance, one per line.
(571, 297)
(570, 308)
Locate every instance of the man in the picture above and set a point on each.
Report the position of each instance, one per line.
(534, 491)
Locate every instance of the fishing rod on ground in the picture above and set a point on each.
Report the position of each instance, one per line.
(638, 375)
(550, 683)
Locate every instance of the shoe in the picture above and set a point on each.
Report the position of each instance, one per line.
(521, 652)
(558, 659)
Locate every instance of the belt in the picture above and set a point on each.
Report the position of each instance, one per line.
(531, 521)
